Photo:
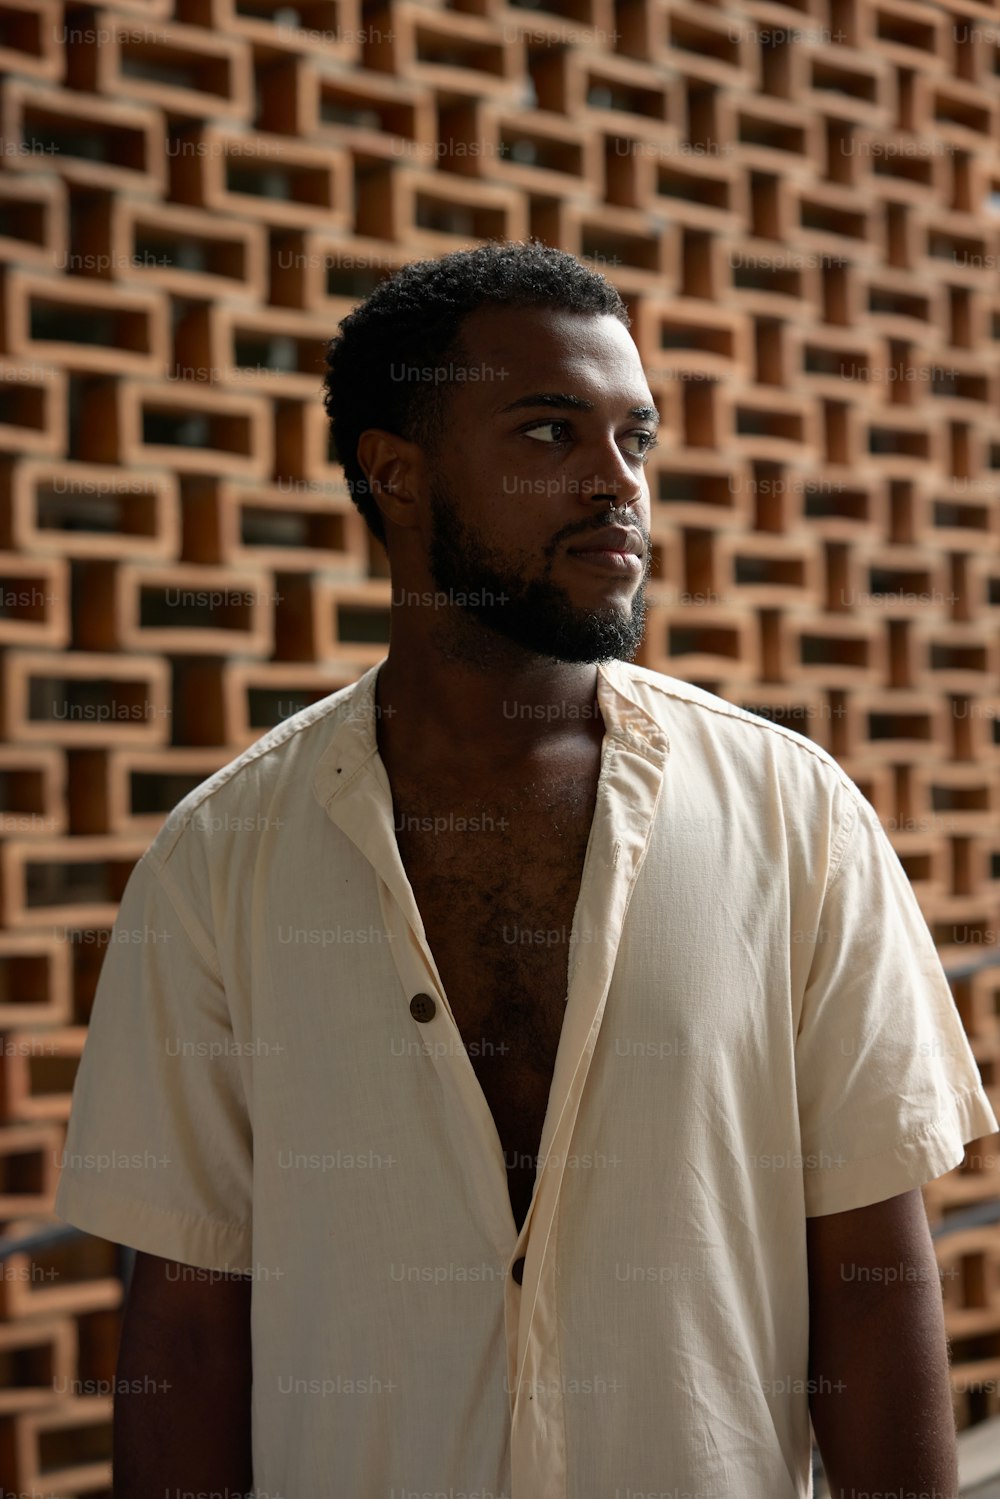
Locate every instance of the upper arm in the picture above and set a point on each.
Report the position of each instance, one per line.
(184, 1382)
(872, 1248)
(174, 1309)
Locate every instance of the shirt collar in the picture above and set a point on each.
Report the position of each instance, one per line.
(353, 742)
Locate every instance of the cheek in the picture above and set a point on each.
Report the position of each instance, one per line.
(510, 516)
(516, 549)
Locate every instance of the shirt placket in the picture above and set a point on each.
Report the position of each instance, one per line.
(470, 1119)
(628, 792)
(365, 815)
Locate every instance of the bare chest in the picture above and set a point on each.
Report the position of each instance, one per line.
(496, 876)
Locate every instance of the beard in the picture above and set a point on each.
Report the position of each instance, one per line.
(537, 616)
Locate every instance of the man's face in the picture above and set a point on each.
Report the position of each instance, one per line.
(512, 492)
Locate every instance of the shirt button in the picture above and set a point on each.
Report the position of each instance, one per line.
(422, 1006)
(517, 1269)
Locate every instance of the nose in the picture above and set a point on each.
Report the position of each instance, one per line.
(620, 484)
(627, 502)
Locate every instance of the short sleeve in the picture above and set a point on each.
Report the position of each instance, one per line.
(889, 1092)
(158, 1151)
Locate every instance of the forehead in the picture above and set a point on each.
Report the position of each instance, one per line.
(514, 350)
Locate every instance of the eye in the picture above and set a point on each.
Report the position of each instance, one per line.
(538, 425)
(649, 439)
(652, 441)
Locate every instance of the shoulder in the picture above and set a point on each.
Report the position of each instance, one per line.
(714, 743)
(257, 786)
(695, 711)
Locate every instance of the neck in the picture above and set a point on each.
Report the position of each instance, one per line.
(453, 713)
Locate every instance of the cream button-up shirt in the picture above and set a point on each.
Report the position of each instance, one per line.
(757, 1030)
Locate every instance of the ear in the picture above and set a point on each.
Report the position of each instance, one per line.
(392, 466)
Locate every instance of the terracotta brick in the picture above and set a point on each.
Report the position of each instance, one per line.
(78, 324)
(186, 251)
(29, 1157)
(692, 643)
(269, 349)
(325, 28)
(41, 1067)
(767, 571)
(901, 725)
(700, 489)
(441, 212)
(846, 83)
(638, 255)
(131, 695)
(290, 527)
(200, 429)
(712, 44)
(34, 601)
(71, 882)
(37, 1286)
(957, 657)
(32, 408)
(32, 32)
(258, 695)
(89, 142)
(594, 24)
(50, 1347)
(33, 216)
(322, 273)
(83, 1422)
(907, 32)
(185, 70)
(268, 177)
(211, 610)
(36, 978)
(85, 510)
(352, 620)
(33, 782)
(461, 54)
(693, 337)
(372, 113)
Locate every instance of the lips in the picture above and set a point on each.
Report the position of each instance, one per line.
(613, 539)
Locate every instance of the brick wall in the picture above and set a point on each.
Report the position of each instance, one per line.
(800, 204)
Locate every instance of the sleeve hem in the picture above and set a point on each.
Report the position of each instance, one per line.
(919, 1158)
(204, 1242)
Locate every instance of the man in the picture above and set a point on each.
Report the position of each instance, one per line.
(554, 1048)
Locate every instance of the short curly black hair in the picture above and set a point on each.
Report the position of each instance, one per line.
(414, 317)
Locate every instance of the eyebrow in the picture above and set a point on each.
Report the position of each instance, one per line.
(560, 399)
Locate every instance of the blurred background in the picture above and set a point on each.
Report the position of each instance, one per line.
(800, 204)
